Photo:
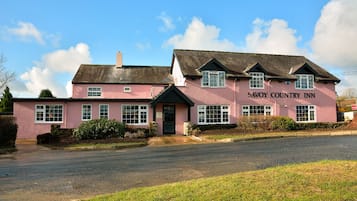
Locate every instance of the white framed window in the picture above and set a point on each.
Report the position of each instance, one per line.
(86, 112)
(257, 80)
(51, 113)
(135, 114)
(304, 81)
(213, 114)
(94, 92)
(252, 110)
(127, 89)
(305, 113)
(103, 111)
(213, 79)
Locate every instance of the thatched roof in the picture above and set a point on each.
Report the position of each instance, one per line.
(110, 74)
(239, 65)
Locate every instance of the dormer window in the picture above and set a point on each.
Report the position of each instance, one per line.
(257, 80)
(304, 81)
(213, 79)
(94, 91)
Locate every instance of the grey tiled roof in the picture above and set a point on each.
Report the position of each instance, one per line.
(275, 66)
(110, 74)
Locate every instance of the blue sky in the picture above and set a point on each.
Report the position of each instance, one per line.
(45, 41)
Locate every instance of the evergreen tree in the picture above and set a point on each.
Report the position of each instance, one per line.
(6, 103)
(46, 93)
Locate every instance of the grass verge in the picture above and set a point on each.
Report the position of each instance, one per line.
(324, 180)
(233, 137)
(100, 146)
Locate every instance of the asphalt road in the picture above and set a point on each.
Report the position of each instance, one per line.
(35, 173)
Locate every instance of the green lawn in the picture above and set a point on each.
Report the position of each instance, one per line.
(324, 180)
(255, 136)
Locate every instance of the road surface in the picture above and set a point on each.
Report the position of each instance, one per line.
(35, 173)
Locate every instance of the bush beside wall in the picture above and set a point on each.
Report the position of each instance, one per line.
(8, 131)
(99, 129)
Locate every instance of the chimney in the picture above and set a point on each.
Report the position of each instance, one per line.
(119, 63)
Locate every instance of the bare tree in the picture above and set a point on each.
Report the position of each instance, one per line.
(5, 76)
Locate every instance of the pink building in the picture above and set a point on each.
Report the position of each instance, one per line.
(201, 87)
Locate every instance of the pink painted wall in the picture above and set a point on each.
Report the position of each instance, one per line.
(181, 117)
(24, 113)
(235, 94)
(209, 96)
(117, 90)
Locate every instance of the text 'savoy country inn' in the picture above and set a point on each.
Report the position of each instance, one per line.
(200, 87)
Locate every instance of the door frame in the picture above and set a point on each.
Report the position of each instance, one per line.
(164, 132)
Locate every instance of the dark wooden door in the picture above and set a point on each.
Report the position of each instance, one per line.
(169, 121)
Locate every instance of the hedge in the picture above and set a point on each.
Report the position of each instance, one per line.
(8, 131)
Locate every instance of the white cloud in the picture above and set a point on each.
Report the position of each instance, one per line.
(42, 78)
(67, 60)
(47, 73)
(335, 38)
(27, 31)
(200, 36)
(273, 37)
(167, 22)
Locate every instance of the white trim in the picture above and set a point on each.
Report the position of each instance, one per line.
(91, 113)
(44, 113)
(307, 77)
(218, 74)
(267, 109)
(310, 108)
(99, 107)
(256, 75)
(139, 114)
(203, 109)
(94, 87)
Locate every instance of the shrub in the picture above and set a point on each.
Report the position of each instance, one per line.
(56, 135)
(320, 125)
(47, 138)
(283, 123)
(213, 126)
(99, 129)
(8, 131)
(256, 122)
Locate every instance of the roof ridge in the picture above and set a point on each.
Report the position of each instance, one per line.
(232, 52)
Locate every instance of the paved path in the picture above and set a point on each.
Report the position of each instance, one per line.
(39, 174)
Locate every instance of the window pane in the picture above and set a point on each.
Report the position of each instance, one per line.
(205, 78)
(221, 79)
(304, 82)
(213, 78)
(135, 114)
(94, 91)
(213, 114)
(104, 111)
(49, 113)
(257, 80)
(86, 112)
